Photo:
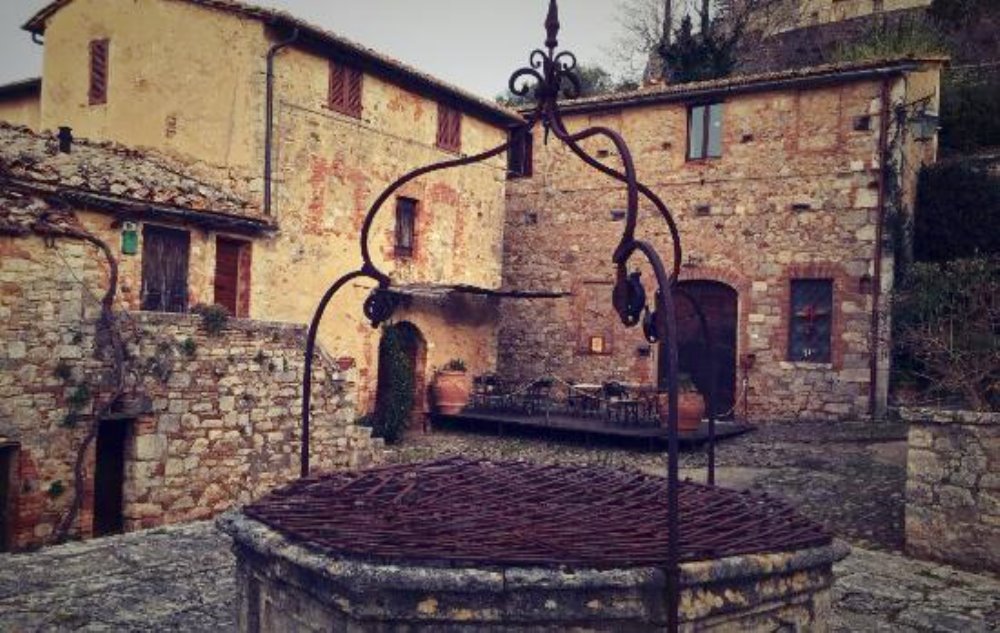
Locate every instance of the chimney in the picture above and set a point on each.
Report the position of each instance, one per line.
(65, 139)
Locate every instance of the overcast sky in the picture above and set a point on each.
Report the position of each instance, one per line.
(474, 44)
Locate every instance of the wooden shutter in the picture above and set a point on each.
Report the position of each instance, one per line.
(99, 71)
(406, 215)
(353, 97)
(520, 153)
(345, 89)
(336, 91)
(165, 269)
(449, 132)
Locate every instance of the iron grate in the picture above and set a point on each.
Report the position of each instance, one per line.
(515, 513)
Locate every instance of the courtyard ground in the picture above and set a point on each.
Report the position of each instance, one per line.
(849, 477)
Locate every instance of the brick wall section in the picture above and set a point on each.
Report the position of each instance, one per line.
(224, 424)
(794, 195)
(953, 487)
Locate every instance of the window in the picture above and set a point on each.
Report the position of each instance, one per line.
(705, 131)
(406, 215)
(809, 331)
(98, 93)
(520, 153)
(449, 133)
(344, 94)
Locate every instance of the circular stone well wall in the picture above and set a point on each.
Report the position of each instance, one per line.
(377, 551)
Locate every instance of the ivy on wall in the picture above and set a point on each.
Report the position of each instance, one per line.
(396, 383)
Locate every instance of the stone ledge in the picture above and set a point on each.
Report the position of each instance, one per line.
(928, 415)
(264, 540)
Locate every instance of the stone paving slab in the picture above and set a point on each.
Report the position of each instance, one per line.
(178, 578)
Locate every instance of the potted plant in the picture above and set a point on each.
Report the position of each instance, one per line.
(451, 387)
(690, 405)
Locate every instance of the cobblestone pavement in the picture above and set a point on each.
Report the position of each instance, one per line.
(850, 477)
(178, 578)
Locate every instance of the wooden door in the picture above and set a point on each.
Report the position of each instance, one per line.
(109, 478)
(227, 275)
(719, 304)
(7, 460)
(165, 255)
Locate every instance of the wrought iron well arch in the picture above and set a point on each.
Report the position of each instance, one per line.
(549, 75)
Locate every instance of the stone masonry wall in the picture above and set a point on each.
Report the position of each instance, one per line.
(794, 195)
(953, 487)
(221, 422)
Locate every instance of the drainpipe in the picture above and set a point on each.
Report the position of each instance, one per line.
(269, 114)
(883, 156)
(37, 39)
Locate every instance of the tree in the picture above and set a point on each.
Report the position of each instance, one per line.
(689, 40)
(594, 80)
(946, 320)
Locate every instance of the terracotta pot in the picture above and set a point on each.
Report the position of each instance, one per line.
(690, 411)
(451, 391)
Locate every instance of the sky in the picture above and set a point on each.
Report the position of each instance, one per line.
(474, 44)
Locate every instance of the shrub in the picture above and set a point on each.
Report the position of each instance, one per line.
(946, 322)
(970, 109)
(213, 317)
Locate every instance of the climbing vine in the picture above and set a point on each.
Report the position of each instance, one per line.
(394, 401)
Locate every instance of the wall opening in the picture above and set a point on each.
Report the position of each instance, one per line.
(109, 477)
(8, 462)
(415, 350)
(719, 302)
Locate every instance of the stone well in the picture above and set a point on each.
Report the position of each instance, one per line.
(479, 546)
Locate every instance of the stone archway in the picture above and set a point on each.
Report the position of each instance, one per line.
(720, 304)
(415, 350)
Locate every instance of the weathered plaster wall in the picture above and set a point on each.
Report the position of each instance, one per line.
(780, 150)
(223, 426)
(953, 487)
(190, 81)
(182, 79)
(21, 110)
(329, 169)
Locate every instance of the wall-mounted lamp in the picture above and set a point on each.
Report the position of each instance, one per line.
(924, 125)
(130, 238)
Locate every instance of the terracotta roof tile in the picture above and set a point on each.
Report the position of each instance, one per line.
(112, 171)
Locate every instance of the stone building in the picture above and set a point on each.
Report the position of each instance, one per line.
(170, 110)
(227, 154)
(189, 79)
(784, 213)
(208, 418)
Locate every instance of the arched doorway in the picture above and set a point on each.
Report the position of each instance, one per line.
(719, 303)
(402, 359)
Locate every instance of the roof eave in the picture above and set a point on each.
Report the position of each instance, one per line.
(764, 85)
(319, 40)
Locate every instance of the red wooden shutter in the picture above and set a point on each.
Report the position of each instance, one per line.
(345, 89)
(449, 133)
(353, 100)
(99, 71)
(335, 98)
